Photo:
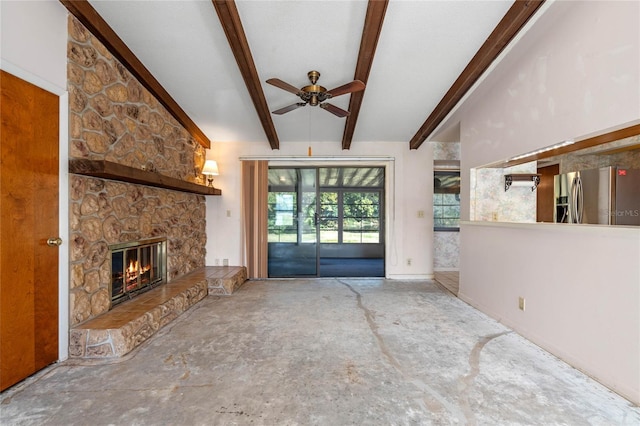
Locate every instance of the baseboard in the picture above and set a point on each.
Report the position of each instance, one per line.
(410, 277)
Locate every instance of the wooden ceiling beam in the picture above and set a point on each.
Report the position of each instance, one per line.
(376, 10)
(92, 20)
(232, 25)
(512, 22)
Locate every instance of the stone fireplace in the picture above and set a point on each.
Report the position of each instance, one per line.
(136, 267)
(113, 118)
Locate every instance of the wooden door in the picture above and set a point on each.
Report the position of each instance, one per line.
(545, 197)
(28, 218)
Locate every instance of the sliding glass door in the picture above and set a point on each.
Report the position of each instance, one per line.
(293, 218)
(326, 221)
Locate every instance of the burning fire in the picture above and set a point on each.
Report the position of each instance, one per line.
(133, 271)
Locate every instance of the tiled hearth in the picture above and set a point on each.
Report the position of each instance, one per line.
(122, 329)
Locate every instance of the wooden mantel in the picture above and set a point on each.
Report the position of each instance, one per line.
(114, 171)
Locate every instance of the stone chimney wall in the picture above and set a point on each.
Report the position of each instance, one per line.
(113, 117)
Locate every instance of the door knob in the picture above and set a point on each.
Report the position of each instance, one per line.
(54, 242)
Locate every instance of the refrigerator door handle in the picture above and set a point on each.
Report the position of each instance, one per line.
(572, 204)
(579, 200)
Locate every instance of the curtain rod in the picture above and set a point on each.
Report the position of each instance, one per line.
(317, 158)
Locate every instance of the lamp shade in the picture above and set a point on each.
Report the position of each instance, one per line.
(210, 168)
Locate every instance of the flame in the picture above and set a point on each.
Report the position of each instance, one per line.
(133, 271)
(133, 267)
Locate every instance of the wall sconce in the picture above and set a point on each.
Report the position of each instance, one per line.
(210, 169)
(522, 179)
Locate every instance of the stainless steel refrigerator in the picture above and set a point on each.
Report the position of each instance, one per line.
(609, 196)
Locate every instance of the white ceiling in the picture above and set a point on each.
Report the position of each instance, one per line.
(423, 47)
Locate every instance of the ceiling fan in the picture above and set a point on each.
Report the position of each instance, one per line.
(316, 95)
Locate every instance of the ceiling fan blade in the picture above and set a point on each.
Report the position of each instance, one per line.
(288, 108)
(284, 85)
(354, 86)
(339, 112)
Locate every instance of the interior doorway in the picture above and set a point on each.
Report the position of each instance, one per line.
(326, 222)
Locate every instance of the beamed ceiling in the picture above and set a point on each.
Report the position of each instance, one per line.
(208, 62)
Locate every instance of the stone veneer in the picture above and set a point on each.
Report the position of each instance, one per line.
(588, 159)
(446, 244)
(113, 117)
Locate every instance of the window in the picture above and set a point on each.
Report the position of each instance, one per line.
(349, 205)
(350, 217)
(329, 217)
(282, 214)
(446, 201)
(361, 217)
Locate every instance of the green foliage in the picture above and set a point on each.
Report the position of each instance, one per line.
(360, 216)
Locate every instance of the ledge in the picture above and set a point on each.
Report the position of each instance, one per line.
(557, 227)
(125, 327)
(113, 171)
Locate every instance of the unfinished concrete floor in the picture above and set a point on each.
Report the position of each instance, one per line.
(322, 352)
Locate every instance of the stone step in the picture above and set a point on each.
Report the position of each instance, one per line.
(122, 329)
(224, 280)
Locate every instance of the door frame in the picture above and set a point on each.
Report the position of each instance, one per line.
(63, 199)
(386, 161)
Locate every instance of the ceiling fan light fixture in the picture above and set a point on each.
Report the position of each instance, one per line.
(314, 94)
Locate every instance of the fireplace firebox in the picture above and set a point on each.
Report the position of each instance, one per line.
(137, 267)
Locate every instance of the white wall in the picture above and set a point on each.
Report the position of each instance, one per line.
(409, 174)
(33, 47)
(581, 286)
(34, 38)
(575, 73)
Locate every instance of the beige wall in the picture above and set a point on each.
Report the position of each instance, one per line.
(581, 290)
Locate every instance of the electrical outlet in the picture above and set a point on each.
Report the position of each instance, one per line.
(494, 216)
(409, 262)
(225, 262)
(217, 262)
(228, 213)
(420, 214)
(521, 303)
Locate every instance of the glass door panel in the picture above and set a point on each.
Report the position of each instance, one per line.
(329, 217)
(326, 221)
(293, 234)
